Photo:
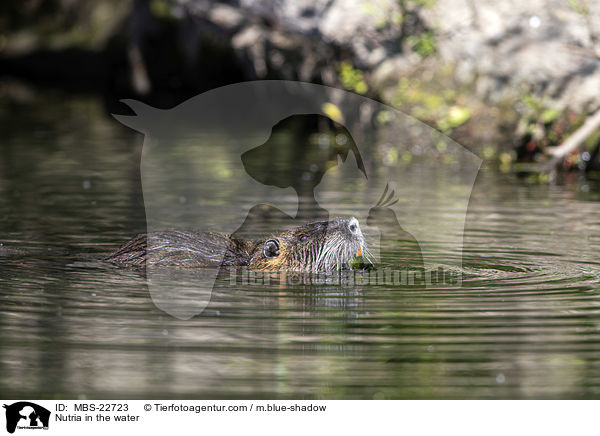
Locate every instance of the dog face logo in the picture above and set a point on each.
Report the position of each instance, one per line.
(26, 415)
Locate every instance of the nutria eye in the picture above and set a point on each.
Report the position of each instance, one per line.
(303, 238)
(271, 248)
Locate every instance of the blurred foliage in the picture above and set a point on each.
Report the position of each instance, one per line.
(420, 40)
(580, 6)
(543, 126)
(538, 110)
(423, 44)
(352, 79)
(387, 16)
(456, 116)
(333, 112)
(161, 9)
(418, 37)
(425, 3)
(443, 108)
(381, 15)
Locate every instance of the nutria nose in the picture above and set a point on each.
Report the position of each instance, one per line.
(353, 225)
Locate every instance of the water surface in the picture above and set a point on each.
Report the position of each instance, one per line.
(524, 324)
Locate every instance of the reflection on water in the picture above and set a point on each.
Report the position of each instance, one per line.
(524, 323)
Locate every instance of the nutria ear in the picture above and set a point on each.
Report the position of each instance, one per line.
(271, 248)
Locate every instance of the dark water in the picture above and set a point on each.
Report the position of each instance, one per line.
(524, 324)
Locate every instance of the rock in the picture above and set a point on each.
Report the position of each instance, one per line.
(540, 46)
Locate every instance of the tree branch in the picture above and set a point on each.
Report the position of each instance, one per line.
(559, 152)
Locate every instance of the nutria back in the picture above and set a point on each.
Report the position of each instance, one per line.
(184, 249)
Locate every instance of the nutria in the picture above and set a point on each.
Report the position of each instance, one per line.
(313, 247)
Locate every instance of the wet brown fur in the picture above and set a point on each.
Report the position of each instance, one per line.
(318, 246)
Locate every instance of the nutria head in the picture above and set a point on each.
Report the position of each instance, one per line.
(318, 246)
